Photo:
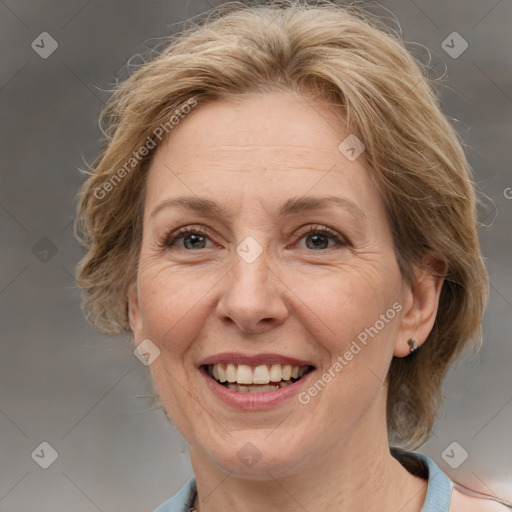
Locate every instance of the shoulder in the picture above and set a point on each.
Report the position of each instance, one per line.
(462, 502)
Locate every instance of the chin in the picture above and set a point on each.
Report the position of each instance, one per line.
(255, 456)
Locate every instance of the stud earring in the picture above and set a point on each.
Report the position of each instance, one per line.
(413, 344)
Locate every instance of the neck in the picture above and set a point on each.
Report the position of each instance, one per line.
(346, 479)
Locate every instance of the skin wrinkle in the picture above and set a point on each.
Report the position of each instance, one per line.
(344, 72)
(298, 301)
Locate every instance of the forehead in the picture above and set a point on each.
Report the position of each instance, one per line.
(273, 146)
(262, 122)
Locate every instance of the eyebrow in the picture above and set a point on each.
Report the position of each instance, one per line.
(291, 206)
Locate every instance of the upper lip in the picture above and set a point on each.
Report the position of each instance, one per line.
(253, 360)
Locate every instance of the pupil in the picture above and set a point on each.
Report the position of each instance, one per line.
(318, 242)
(193, 239)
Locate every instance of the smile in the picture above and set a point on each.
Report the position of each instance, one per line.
(244, 378)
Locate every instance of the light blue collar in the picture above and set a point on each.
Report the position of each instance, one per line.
(439, 492)
(437, 500)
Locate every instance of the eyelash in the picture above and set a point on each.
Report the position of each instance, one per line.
(170, 238)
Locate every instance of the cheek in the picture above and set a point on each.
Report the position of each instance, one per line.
(355, 319)
(172, 307)
(349, 304)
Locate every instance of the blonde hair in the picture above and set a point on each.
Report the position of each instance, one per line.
(412, 152)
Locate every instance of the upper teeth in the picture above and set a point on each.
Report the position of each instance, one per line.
(262, 374)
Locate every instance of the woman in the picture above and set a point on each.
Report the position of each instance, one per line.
(285, 222)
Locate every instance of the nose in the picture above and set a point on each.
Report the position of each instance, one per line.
(252, 296)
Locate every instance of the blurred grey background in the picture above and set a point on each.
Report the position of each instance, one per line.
(85, 394)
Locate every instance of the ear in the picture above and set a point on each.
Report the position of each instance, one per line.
(134, 314)
(420, 301)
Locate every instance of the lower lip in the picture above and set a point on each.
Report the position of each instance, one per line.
(254, 401)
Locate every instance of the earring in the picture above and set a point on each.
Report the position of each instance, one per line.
(413, 344)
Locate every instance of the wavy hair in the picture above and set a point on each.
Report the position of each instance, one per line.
(361, 68)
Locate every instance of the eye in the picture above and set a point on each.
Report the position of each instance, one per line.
(317, 237)
(193, 238)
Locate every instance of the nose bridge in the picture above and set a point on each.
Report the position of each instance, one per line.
(250, 275)
(251, 270)
(252, 297)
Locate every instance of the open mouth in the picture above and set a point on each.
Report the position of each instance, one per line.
(244, 378)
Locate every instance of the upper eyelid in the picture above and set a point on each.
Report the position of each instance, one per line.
(185, 230)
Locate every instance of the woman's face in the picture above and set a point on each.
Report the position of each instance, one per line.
(255, 282)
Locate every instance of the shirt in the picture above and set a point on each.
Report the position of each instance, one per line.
(438, 496)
